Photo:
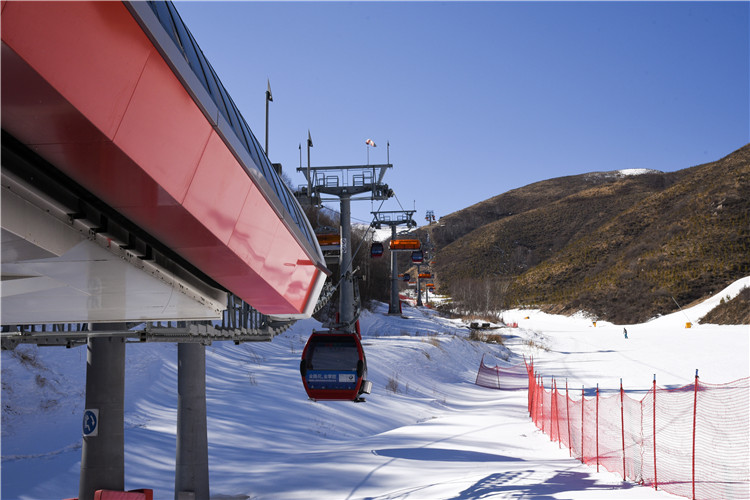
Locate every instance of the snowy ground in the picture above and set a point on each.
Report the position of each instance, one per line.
(437, 436)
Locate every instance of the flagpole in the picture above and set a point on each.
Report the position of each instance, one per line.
(309, 180)
(269, 98)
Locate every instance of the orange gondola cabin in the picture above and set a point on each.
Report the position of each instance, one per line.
(405, 244)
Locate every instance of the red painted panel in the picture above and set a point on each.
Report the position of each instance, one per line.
(281, 262)
(236, 276)
(301, 283)
(91, 52)
(255, 230)
(266, 298)
(218, 190)
(33, 111)
(163, 130)
(216, 260)
(290, 268)
(173, 225)
(164, 154)
(103, 169)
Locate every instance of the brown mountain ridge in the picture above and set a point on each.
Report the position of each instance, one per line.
(624, 248)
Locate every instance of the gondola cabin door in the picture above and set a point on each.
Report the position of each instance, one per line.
(333, 367)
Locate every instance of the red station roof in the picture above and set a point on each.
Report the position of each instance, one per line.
(85, 88)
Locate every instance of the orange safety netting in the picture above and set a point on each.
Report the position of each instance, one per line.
(692, 441)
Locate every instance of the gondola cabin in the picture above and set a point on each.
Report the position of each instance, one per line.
(423, 276)
(417, 257)
(333, 367)
(406, 277)
(405, 245)
(329, 241)
(376, 250)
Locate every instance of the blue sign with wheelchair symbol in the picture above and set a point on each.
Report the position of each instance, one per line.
(91, 422)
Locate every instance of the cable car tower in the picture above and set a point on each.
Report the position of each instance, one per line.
(394, 219)
(427, 254)
(346, 183)
(430, 217)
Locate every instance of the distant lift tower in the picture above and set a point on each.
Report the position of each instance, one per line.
(394, 219)
(427, 254)
(346, 182)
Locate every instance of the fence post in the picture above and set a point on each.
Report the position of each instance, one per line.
(528, 392)
(567, 413)
(551, 407)
(541, 387)
(597, 427)
(583, 399)
(695, 412)
(656, 481)
(557, 417)
(532, 402)
(536, 400)
(536, 396)
(539, 400)
(622, 426)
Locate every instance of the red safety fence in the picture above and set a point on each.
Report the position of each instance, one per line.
(692, 441)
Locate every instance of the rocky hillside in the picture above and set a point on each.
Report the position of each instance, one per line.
(623, 247)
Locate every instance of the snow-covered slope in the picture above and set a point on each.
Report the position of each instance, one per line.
(426, 431)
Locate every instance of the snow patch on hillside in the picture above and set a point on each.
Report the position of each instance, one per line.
(636, 171)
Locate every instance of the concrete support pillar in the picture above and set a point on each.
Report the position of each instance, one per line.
(191, 468)
(103, 451)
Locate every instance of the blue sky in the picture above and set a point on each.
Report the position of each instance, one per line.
(478, 98)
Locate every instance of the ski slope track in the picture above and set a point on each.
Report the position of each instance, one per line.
(426, 432)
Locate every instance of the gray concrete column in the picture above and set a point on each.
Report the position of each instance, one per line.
(103, 451)
(191, 468)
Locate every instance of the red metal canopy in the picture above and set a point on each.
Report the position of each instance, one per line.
(84, 87)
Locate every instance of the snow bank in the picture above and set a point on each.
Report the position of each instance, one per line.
(433, 434)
